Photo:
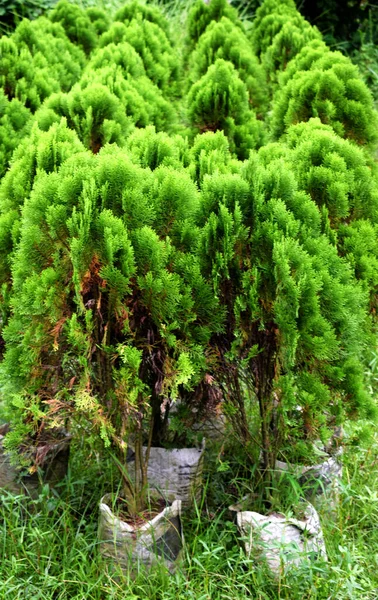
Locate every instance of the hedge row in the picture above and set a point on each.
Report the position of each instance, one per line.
(174, 213)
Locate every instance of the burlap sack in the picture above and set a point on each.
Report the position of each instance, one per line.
(176, 473)
(283, 542)
(157, 542)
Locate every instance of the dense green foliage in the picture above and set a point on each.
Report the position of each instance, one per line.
(326, 85)
(224, 40)
(37, 60)
(185, 214)
(275, 237)
(219, 100)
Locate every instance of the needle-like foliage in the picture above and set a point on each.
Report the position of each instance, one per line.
(110, 313)
(219, 100)
(202, 14)
(297, 315)
(38, 60)
(225, 40)
(152, 45)
(77, 25)
(15, 124)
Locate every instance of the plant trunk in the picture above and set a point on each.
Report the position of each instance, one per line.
(263, 367)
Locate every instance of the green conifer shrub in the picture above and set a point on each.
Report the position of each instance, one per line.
(49, 39)
(294, 34)
(143, 12)
(151, 149)
(38, 60)
(120, 68)
(76, 24)
(268, 21)
(39, 153)
(343, 183)
(335, 172)
(304, 60)
(297, 317)
(96, 114)
(108, 314)
(332, 90)
(149, 40)
(99, 19)
(210, 154)
(202, 14)
(219, 100)
(105, 106)
(122, 55)
(224, 40)
(15, 124)
(278, 33)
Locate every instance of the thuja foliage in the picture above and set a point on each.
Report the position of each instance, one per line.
(105, 107)
(225, 40)
(342, 181)
(136, 262)
(113, 96)
(95, 113)
(77, 24)
(335, 172)
(278, 33)
(137, 10)
(209, 154)
(219, 100)
(268, 21)
(332, 90)
(109, 312)
(151, 149)
(120, 54)
(297, 318)
(121, 69)
(37, 60)
(39, 153)
(15, 123)
(313, 81)
(202, 14)
(150, 41)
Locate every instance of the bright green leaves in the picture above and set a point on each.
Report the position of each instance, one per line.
(96, 114)
(333, 171)
(278, 33)
(15, 124)
(140, 11)
(76, 24)
(152, 45)
(38, 60)
(328, 87)
(226, 41)
(201, 15)
(219, 100)
(99, 287)
(296, 313)
(149, 235)
(151, 149)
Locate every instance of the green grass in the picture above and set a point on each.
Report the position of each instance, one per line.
(49, 548)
